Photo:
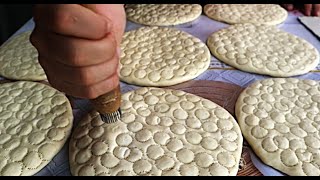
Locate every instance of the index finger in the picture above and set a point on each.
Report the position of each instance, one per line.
(72, 20)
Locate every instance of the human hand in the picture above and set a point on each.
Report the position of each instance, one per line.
(307, 9)
(78, 47)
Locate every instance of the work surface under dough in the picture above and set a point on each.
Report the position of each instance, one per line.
(218, 71)
(313, 23)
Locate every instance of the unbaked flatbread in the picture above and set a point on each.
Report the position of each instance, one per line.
(263, 49)
(154, 56)
(19, 59)
(269, 14)
(162, 132)
(35, 122)
(162, 14)
(280, 118)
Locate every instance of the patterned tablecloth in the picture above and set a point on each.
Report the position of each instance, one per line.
(217, 71)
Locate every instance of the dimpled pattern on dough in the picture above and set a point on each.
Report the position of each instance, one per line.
(154, 56)
(162, 14)
(35, 122)
(281, 121)
(263, 49)
(269, 14)
(19, 59)
(162, 132)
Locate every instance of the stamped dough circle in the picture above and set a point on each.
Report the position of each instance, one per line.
(163, 14)
(264, 50)
(287, 138)
(157, 149)
(35, 122)
(155, 56)
(268, 14)
(19, 59)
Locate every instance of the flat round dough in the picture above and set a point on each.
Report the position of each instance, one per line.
(280, 118)
(268, 14)
(264, 50)
(163, 14)
(19, 59)
(162, 132)
(155, 56)
(35, 122)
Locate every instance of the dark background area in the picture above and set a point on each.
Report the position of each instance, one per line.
(12, 17)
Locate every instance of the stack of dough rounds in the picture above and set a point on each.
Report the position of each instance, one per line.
(269, 14)
(35, 122)
(280, 118)
(264, 50)
(162, 132)
(155, 56)
(19, 59)
(163, 14)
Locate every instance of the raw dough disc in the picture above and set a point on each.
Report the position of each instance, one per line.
(35, 122)
(19, 59)
(155, 56)
(162, 132)
(162, 14)
(264, 50)
(269, 14)
(280, 120)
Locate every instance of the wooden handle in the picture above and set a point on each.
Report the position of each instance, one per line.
(109, 102)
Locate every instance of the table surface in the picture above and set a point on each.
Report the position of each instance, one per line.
(217, 71)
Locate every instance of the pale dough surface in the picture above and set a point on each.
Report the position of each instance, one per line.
(19, 59)
(162, 132)
(35, 122)
(280, 119)
(269, 14)
(155, 56)
(264, 50)
(163, 14)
